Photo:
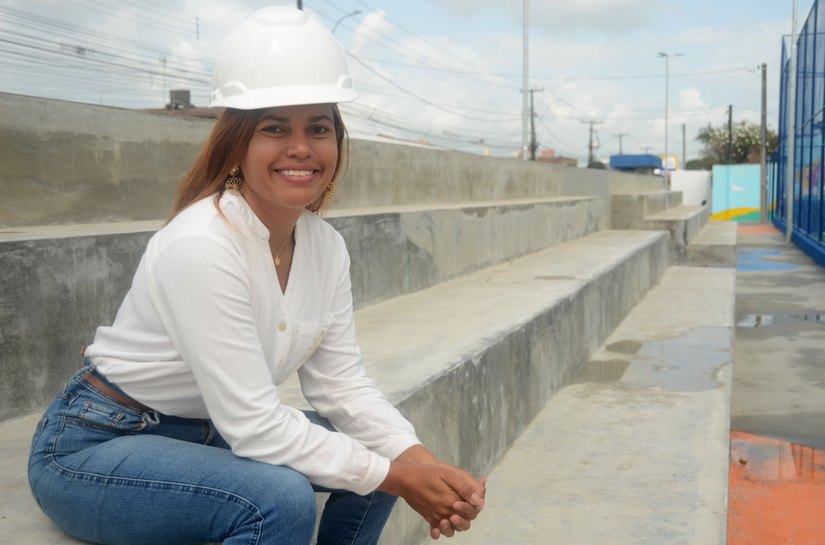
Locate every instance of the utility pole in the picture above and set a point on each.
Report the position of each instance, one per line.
(590, 158)
(763, 149)
(684, 148)
(667, 57)
(533, 143)
(791, 131)
(619, 136)
(730, 134)
(524, 104)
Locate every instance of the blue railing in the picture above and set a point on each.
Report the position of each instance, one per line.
(809, 152)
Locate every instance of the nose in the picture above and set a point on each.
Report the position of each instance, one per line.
(298, 146)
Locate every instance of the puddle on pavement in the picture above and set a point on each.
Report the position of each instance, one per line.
(775, 492)
(764, 320)
(773, 460)
(761, 259)
(685, 363)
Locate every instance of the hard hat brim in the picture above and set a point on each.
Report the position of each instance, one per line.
(285, 96)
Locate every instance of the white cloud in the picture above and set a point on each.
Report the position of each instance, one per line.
(611, 15)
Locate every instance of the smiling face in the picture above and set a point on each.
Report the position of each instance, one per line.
(291, 158)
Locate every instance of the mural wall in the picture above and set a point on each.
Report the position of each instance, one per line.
(735, 193)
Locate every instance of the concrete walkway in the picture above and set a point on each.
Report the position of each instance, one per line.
(777, 489)
(635, 450)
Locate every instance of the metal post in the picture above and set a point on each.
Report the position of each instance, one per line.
(667, 99)
(791, 134)
(525, 111)
(763, 150)
(684, 147)
(300, 5)
(533, 143)
(730, 134)
(667, 57)
(591, 157)
(620, 136)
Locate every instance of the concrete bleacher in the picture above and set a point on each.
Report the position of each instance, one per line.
(527, 321)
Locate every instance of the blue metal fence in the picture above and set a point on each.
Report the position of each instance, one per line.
(809, 153)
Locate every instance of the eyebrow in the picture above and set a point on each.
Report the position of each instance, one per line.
(312, 119)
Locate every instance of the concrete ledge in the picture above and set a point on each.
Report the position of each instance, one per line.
(635, 449)
(61, 282)
(683, 222)
(470, 361)
(714, 246)
(65, 162)
(399, 250)
(629, 210)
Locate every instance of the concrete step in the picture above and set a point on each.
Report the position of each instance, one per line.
(470, 361)
(714, 246)
(398, 250)
(634, 449)
(629, 210)
(683, 222)
(82, 272)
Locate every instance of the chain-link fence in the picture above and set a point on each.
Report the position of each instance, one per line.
(809, 151)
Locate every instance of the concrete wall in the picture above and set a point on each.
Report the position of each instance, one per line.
(82, 169)
(64, 162)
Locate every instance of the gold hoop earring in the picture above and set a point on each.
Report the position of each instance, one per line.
(234, 183)
(329, 190)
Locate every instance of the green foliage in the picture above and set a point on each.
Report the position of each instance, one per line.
(696, 164)
(744, 149)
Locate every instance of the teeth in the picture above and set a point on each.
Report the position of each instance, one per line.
(296, 172)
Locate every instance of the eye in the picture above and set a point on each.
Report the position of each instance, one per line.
(320, 130)
(273, 129)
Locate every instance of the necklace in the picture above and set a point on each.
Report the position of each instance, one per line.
(278, 253)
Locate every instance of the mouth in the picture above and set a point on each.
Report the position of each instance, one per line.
(295, 173)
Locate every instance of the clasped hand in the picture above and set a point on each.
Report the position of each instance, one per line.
(446, 496)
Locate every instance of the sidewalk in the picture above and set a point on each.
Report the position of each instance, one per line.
(777, 460)
(634, 451)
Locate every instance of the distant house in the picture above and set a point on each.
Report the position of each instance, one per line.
(549, 156)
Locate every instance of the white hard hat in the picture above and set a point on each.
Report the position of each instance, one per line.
(280, 56)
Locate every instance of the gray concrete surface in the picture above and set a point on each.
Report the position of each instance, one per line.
(635, 449)
(779, 358)
(714, 246)
(397, 250)
(629, 210)
(66, 162)
(479, 355)
(76, 163)
(683, 222)
(61, 282)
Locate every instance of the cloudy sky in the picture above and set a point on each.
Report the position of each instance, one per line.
(448, 72)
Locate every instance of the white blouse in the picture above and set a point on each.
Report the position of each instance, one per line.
(205, 332)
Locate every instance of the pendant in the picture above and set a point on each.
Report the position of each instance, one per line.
(277, 260)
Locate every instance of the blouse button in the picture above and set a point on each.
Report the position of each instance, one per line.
(282, 326)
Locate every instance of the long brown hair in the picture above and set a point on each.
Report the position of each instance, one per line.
(226, 146)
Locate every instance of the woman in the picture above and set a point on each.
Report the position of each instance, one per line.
(173, 431)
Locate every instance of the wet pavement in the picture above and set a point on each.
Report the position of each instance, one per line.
(686, 363)
(777, 456)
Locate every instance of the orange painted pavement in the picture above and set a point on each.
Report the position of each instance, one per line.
(757, 229)
(777, 492)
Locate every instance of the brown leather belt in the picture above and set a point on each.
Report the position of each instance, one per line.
(94, 380)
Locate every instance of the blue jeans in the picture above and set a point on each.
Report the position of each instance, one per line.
(111, 474)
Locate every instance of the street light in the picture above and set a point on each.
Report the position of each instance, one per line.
(338, 22)
(667, 57)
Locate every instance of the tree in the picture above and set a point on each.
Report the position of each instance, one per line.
(745, 148)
